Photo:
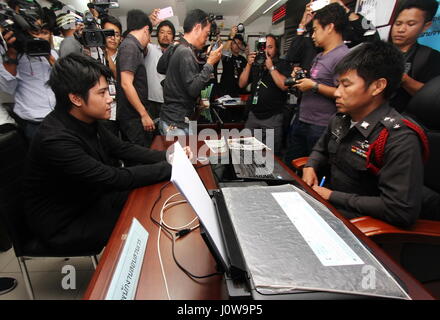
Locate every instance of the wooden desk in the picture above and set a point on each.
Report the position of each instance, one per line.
(191, 251)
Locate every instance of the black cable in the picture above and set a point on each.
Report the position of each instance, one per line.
(189, 274)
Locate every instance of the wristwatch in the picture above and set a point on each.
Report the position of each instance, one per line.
(272, 68)
(315, 87)
(8, 60)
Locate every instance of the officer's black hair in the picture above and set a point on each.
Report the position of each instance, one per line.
(429, 7)
(75, 73)
(112, 20)
(375, 60)
(167, 23)
(193, 18)
(332, 13)
(137, 19)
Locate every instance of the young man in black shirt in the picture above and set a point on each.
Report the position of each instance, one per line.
(421, 63)
(233, 65)
(135, 122)
(73, 192)
(269, 93)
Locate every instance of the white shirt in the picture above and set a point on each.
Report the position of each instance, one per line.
(33, 98)
(155, 89)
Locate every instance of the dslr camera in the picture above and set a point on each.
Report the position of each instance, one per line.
(260, 58)
(21, 24)
(300, 74)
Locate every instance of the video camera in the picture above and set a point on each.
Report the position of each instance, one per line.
(93, 35)
(260, 58)
(21, 24)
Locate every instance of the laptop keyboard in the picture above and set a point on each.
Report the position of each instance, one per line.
(252, 165)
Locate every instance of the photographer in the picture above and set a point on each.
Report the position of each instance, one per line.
(267, 73)
(317, 103)
(233, 65)
(187, 73)
(28, 75)
(302, 49)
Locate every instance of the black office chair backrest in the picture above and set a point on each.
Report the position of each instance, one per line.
(424, 108)
(13, 149)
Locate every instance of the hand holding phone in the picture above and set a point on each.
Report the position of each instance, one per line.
(165, 13)
(319, 4)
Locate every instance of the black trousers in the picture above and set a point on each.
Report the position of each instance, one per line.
(92, 229)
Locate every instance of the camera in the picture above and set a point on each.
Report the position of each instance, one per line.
(215, 30)
(240, 28)
(260, 58)
(92, 35)
(300, 74)
(21, 24)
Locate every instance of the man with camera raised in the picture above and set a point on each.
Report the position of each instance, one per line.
(317, 102)
(187, 73)
(267, 73)
(233, 64)
(28, 61)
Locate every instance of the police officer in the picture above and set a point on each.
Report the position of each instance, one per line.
(374, 155)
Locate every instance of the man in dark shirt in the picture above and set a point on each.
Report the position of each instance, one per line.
(186, 75)
(370, 174)
(73, 192)
(269, 93)
(135, 122)
(421, 63)
(233, 65)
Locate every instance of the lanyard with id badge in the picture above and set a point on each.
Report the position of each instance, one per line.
(255, 98)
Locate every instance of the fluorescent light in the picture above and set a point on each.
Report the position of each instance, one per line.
(271, 6)
(219, 1)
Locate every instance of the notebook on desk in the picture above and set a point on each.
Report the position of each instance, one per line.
(282, 243)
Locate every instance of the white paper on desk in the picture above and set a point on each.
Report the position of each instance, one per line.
(126, 276)
(217, 146)
(247, 143)
(187, 180)
(327, 245)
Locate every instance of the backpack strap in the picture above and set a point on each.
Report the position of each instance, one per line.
(375, 153)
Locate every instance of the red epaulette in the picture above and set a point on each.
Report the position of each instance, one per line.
(377, 148)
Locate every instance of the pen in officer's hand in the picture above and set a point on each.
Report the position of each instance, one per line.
(322, 181)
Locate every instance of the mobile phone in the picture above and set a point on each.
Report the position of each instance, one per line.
(319, 4)
(216, 45)
(165, 13)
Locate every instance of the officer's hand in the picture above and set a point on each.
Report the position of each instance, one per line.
(304, 85)
(251, 58)
(309, 176)
(188, 153)
(9, 37)
(215, 56)
(147, 123)
(323, 192)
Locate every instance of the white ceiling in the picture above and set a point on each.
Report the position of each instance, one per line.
(246, 11)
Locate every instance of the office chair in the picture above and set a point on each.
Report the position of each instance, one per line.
(416, 248)
(13, 150)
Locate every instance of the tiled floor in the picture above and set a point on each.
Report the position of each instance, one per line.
(47, 277)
